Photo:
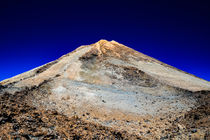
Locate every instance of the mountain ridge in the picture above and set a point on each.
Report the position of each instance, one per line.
(102, 46)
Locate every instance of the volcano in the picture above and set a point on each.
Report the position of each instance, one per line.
(105, 91)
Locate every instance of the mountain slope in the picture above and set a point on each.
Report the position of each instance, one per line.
(115, 86)
(104, 52)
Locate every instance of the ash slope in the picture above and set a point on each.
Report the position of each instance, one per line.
(117, 87)
(99, 63)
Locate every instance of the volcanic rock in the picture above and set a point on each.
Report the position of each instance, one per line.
(105, 91)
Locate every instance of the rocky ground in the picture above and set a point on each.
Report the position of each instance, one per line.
(19, 119)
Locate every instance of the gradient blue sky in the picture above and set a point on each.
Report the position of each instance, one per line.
(34, 32)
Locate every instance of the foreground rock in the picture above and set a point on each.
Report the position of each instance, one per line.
(105, 91)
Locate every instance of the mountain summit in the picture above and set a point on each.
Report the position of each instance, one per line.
(111, 86)
(98, 63)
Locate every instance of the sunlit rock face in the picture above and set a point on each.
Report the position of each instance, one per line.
(114, 87)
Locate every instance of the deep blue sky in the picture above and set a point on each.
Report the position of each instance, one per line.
(34, 32)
